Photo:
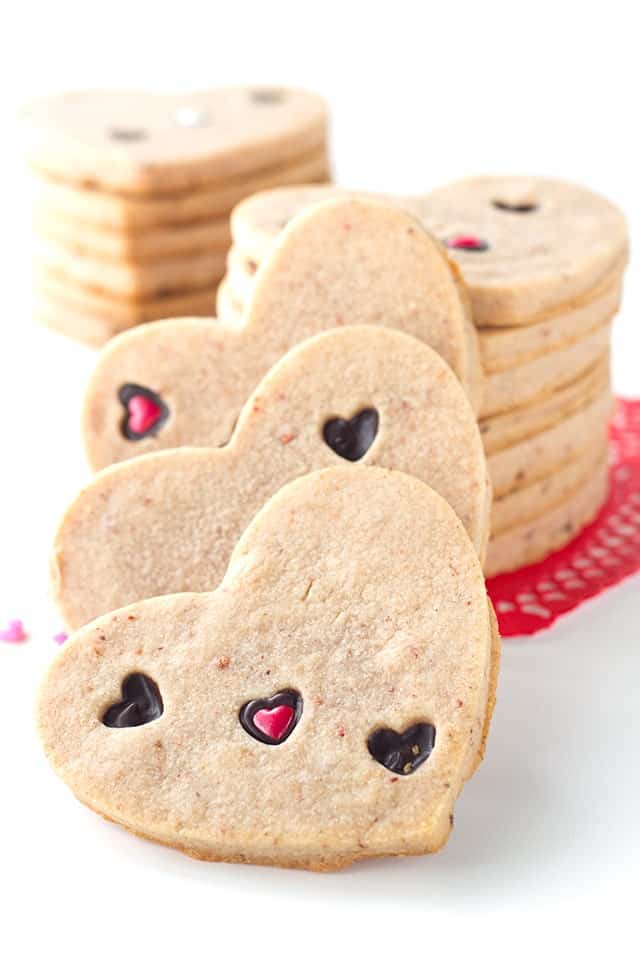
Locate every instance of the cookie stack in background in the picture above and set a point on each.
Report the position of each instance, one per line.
(543, 262)
(132, 194)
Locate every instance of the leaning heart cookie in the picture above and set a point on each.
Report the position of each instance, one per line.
(526, 246)
(324, 705)
(343, 262)
(168, 521)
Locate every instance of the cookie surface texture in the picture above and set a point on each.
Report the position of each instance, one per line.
(168, 521)
(343, 262)
(355, 635)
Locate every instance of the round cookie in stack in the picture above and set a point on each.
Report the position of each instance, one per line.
(132, 195)
(543, 262)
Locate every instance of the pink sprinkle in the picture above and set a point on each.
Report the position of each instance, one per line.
(14, 633)
(60, 638)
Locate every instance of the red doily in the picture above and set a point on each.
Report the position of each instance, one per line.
(607, 551)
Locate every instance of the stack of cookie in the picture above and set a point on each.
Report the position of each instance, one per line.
(133, 194)
(543, 263)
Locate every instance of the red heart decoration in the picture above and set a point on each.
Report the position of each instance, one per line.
(143, 413)
(467, 241)
(274, 723)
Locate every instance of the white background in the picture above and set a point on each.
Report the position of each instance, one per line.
(544, 857)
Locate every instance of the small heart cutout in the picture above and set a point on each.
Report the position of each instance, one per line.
(141, 703)
(352, 438)
(402, 752)
(467, 241)
(145, 411)
(507, 207)
(272, 719)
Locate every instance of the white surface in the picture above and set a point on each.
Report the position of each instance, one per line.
(545, 853)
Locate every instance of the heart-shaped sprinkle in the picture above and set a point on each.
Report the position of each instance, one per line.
(14, 632)
(402, 752)
(467, 241)
(272, 719)
(274, 723)
(141, 703)
(145, 411)
(352, 438)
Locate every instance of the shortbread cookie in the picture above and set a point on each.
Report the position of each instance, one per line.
(524, 463)
(540, 497)
(147, 143)
(358, 689)
(67, 315)
(369, 263)
(87, 205)
(132, 281)
(258, 220)
(526, 245)
(507, 429)
(136, 245)
(534, 540)
(537, 379)
(502, 348)
(361, 394)
(94, 317)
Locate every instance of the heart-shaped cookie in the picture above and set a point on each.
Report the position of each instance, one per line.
(373, 618)
(148, 143)
(526, 246)
(168, 521)
(343, 262)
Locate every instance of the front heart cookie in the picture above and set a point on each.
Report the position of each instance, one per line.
(387, 668)
(168, 521)
(370, 263)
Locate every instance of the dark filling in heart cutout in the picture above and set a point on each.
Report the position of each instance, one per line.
(141, 703)
(514, 207)
(145, 411)
(352, 438)
(272, 719)
(402, 752)
(127, 134)
(467, 242)
(267, 95)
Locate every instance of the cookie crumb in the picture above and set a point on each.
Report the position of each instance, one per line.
(221, 663)
(341, 731)
(287, 438)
